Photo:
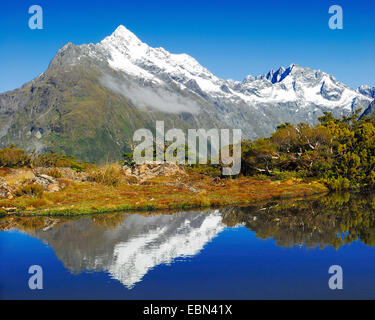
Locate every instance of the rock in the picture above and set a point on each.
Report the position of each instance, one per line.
(47, 182)
(146, 171)
(6, 191)
(48, 178)
(42, 181)
(54, 187)
(66, 173)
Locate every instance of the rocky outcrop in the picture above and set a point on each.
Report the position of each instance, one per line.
(146, 171)
(6, 191)
(16, 179)
(49, 183)
(66, 173)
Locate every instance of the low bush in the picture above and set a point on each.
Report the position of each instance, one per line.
(337, 184)
(14, 158)
(54, 160)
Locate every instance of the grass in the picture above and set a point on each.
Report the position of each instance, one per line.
(103, 194)
(109, 175)
(15, 178)
(32, 189)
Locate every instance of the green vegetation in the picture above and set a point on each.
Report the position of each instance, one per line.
(14, 158)
(54, 160)
(339, 152)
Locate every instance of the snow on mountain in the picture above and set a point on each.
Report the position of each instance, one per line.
(129, 54)
(294, 84)
(303, 86)
(367, 91)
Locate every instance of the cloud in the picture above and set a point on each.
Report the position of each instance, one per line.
(158, 99)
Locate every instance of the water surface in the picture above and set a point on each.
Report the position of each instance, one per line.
(279, 250)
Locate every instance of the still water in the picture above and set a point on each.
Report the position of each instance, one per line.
(278, 250)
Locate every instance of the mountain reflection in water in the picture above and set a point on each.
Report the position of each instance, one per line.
(128, 245)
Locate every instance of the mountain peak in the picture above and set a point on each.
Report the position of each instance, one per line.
(249, 79)
(294, 67)
(123, 31)
(123, 35)
(281, 73)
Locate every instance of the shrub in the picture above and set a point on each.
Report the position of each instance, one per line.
(338, 184)
(109, 174)
(32, 189)
(53, 160)
(339, 151)
(14, 158)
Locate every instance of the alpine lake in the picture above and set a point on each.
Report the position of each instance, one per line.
(275, 250)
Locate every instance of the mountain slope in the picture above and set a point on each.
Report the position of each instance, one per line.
(93, 97)
(367, 91)
(370, 111)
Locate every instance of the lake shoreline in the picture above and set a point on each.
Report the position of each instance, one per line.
(161, 193)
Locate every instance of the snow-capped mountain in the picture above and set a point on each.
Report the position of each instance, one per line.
(106, 91)
(307, 91)
(127, 53)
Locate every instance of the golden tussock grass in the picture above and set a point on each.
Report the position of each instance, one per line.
(15, 177)
(109, 175)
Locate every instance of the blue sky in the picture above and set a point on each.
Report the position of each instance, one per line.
(231, 38)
